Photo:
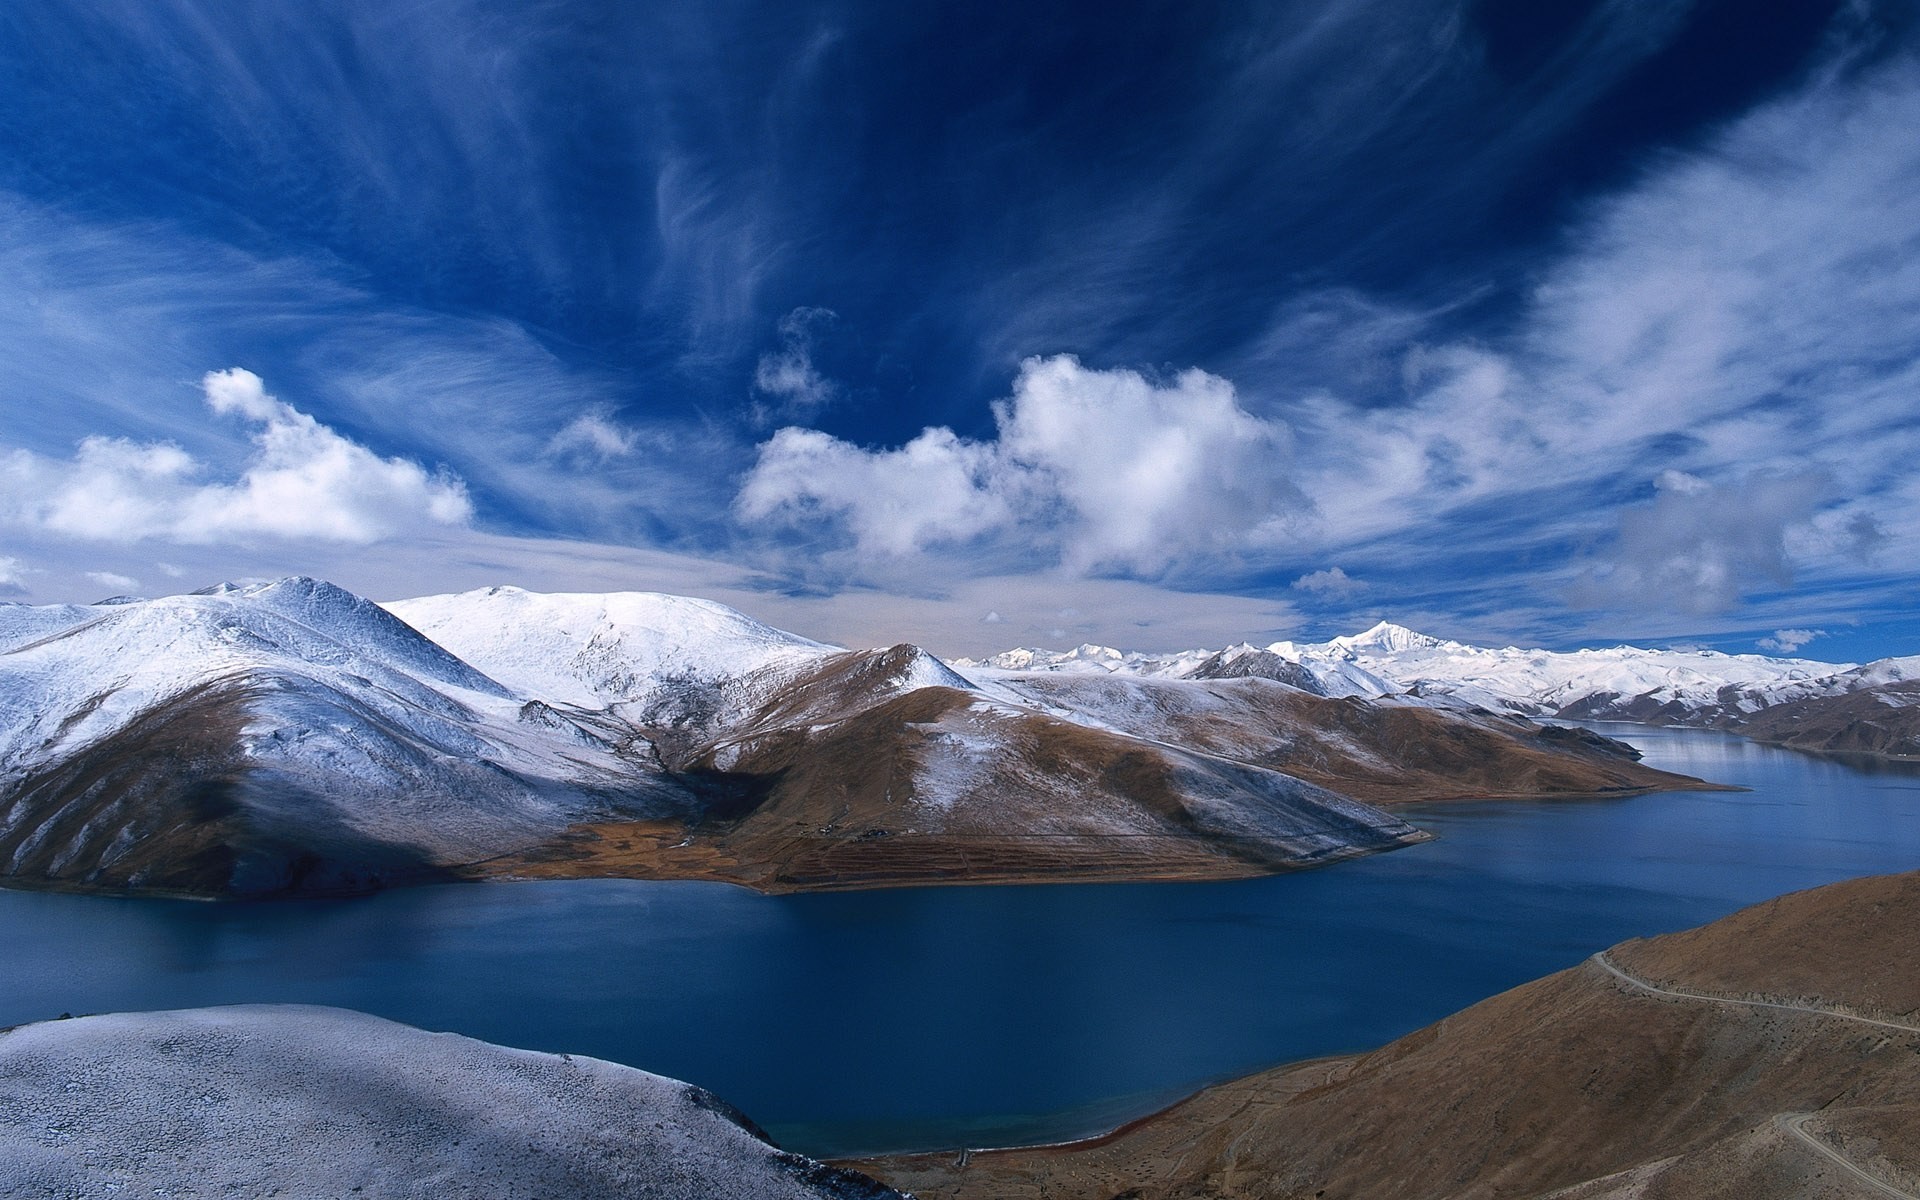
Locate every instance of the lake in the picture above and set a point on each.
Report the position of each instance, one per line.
(939, 1017)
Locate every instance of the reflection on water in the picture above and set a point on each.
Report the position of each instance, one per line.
(944, 1016)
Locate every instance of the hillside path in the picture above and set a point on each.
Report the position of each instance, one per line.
(1792, 1123)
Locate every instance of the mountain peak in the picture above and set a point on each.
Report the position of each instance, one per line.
(1389, 638)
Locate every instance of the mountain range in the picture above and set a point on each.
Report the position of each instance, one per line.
(1801, 703)
(293, 737)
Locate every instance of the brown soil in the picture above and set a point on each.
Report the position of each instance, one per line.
(1856, 723)
(1380, 753)
(1577, 1085)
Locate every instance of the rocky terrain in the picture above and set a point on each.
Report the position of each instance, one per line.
(293, 737)
(1771, 1054)
(301, 1102)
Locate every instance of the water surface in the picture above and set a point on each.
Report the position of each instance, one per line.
(946, 1016)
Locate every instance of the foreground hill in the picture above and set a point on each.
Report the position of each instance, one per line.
(287, 1100)
(293, 737)
(1795, 702)
(1767, 1055)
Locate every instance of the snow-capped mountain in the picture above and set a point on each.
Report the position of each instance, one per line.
(287, 734)
(1390, 660)
(293, 736)
(1689, 687)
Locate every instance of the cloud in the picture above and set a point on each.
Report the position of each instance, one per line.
(1786, 641)
(13, 573)
(1105, 470)
(302, 481)
(119, 583)
(1332, 583)
(1698, 546)
(594, 435)
(789, 374)
(937, 489)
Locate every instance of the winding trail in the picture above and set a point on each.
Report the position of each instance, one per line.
(1792, 1123)
(1795, 1124)
(1611, 968)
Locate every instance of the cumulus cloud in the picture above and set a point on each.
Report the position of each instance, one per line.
(938, 488)
(1332, 583)
(13, 580)
(1786, 641)
(594, 435)
(1111, 471)
(1698, 546)
(788, 374)
(303, 480)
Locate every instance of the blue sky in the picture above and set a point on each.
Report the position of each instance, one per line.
(983, 324)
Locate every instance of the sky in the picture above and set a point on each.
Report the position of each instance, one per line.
(1154, 325)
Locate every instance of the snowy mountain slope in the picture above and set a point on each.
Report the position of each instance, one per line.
(1381, 752)
(599, 650)
(297, 1101)
(285, 735)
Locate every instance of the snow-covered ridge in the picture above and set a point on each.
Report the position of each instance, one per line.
(1391, 660)
(599, 649)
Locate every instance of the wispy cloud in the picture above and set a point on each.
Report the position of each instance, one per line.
(593, 435)
(1712, 335)
(1786, 641)
(798, 389)
(119, 583)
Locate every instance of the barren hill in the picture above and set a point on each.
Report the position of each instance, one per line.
(1772, 1054)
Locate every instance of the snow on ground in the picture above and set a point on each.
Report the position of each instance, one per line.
(294, 1101)
(594, 650)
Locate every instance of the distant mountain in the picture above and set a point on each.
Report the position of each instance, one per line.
(1797, 702)
(293, 737)
(1767, 1056)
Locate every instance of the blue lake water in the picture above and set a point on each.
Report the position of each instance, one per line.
(985, 1016)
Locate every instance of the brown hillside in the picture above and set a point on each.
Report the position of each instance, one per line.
(1580, 1085)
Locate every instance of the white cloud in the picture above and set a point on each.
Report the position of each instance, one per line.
(1331, 583)
(1698, 546)
(13, 573)
(938, 488)
(303, 481)
(789, 374)
(1786, 641)
(119, 583)
(594, 435)
(1110, 470)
